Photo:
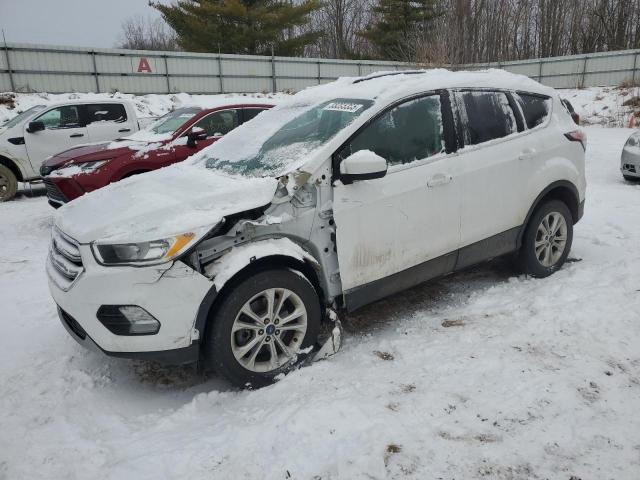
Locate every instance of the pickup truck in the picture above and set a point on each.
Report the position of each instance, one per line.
(44, 130)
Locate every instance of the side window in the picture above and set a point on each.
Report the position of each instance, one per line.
(250, 113)
(535, 108)
(106, 112)
(218, 123)
(484, 116)
(61, 117)
(409, 132)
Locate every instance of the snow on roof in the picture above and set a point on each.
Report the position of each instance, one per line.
(392, 85)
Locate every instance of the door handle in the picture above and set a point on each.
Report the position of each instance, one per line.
(439, 179)
(76, 135)
(527, 154)
(124, 130)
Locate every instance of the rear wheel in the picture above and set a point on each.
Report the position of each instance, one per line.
(262, 327)
(8, 184)
(547, 240)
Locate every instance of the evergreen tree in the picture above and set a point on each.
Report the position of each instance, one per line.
(398, 27)
(241, 26)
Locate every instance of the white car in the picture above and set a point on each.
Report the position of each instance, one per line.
(41, 131)
(344, 194)
(630, 162)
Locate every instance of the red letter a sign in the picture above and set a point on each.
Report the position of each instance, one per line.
(144, 66)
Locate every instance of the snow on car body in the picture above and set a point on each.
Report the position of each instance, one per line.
(344, 194)
(44, 130)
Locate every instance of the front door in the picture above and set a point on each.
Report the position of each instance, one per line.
(63, 129)
(404, 228)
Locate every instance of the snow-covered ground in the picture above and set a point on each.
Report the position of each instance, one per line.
(481, 375)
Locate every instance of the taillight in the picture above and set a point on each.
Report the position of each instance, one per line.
(578, 136)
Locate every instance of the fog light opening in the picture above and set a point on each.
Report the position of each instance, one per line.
(128, 320)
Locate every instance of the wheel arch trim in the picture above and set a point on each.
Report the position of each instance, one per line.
(559, 190)
(248, 259)
(13, 166)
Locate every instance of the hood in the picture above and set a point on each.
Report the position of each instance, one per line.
(84, 153)
(156, 205)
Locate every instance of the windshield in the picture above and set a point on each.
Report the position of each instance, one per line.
(20, 117)
(282, 137)
(172, 121)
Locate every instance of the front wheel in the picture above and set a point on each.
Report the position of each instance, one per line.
(263, 327)
(547, 240)
(8, 184)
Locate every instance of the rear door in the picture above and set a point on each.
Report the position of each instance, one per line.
(250, 113)
(493, 169)
(404, 228)
(64, 128)
(108, 121)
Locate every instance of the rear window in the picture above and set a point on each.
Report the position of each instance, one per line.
(484, 116)
(106, 112)
(535, 108)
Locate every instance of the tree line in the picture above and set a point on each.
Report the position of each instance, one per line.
(419, 31)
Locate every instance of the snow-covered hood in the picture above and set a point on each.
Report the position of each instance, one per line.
(166, 202)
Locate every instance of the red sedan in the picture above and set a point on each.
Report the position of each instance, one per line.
(172, 138)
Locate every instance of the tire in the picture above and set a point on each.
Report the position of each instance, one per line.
(225, 349)
(540, 255)
(8, 184)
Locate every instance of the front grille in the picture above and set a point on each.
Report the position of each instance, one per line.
(65, 262)
(72, 324)
(53, 192)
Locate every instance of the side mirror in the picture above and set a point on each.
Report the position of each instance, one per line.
(194, 135)
(362, 165)
(35, 127)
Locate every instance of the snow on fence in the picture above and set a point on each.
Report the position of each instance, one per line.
(40, 68)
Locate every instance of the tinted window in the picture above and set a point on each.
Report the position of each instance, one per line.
(250, 113)
(61, 117)
(484, 116)
(535, 109)
(411, 131)
(172, 121)
(219, 123)
(106, 112)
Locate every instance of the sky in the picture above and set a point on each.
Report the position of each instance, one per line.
(82, 23)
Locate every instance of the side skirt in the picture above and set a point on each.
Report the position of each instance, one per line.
(484, 250)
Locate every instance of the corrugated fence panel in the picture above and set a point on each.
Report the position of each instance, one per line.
(64, 69)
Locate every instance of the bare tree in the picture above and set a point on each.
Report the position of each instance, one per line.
(140, 33)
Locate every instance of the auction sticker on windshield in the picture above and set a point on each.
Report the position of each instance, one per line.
(343, 107)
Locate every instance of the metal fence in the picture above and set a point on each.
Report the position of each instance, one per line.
(36, 68)
(39, 68)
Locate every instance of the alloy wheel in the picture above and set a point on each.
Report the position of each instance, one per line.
(551, 239)
(269, 330)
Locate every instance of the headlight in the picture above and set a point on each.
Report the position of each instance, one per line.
(144, 253)
(91, 166)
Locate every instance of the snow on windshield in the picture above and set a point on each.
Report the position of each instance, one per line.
(20, 117)
(282, 136)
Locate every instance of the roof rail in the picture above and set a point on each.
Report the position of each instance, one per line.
(389, 74)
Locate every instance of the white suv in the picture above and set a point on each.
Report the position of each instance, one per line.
(345, 194)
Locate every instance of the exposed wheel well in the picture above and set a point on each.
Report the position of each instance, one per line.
(11, 166)
(209, 305)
